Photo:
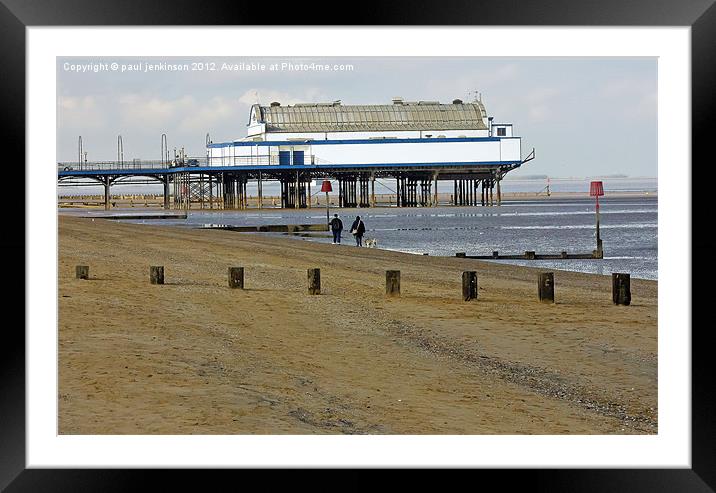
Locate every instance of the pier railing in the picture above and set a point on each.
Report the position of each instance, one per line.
(135, 164)
(118, 165)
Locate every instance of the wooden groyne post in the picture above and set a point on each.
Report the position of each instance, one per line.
(545, 287)
(469, 285)
(156, 274)
(392, 283)
(82, 272)
(314, 281)
(236, 277)
(621, 289)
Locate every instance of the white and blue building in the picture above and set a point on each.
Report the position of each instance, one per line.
(405, 134)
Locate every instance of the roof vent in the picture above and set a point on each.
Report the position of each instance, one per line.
(275, 103)
(457, 101)
(397, 100)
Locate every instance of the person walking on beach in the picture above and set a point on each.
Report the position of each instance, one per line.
(337, 229)
(357, 229)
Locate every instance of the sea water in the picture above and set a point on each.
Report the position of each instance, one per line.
(628, 229)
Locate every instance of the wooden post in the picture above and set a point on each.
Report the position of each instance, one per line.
(469, 285)
(314, 281)
(545, 287)
(392, 282)
(156, 274)
(621, 289)
(236, 277)
(82, 272)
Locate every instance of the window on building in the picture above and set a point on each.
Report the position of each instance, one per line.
(501, 132)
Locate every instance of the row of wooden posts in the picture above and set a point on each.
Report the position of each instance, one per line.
(621, 283)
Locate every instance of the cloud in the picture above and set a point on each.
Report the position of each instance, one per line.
(80, 112)
(630, 97)
(153, 111)
(540, 103)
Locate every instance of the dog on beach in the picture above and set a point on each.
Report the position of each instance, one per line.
(370, 242)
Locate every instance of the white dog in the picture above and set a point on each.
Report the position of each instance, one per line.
(371, 242)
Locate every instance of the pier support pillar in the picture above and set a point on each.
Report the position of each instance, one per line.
(545, 287)
(106, 194)
(211, 191)
(621, 289)
(372, 189)
(260, 192)
(296, 202)
(166, 191)
(435, 190)
(499, 192)
(308, 193)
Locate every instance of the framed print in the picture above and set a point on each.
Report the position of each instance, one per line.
(424, 246)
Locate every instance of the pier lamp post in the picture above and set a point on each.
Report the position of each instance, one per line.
(326, 187)
(596, 190)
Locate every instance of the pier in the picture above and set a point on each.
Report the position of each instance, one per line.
(225, 187)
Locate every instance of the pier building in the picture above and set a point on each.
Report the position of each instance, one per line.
(414, 144)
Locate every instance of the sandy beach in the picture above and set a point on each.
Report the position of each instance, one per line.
(196, 357)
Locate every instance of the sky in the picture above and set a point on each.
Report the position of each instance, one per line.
(585, 117)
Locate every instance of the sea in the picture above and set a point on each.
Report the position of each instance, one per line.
(628, 226)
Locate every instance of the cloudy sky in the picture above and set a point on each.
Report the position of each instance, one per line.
(584, 116)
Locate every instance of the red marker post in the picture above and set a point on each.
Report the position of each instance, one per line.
(596, 190)
(326, 187)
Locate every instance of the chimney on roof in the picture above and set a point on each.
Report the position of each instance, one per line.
(457, 101)
(397, 100)
(275, 103)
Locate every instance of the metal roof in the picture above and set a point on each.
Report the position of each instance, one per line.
(335, 117)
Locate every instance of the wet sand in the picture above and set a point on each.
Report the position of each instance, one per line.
(195, 357)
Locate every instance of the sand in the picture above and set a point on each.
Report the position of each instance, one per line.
(195, 357)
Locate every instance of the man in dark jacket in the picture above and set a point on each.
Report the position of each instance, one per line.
(336, 228)
(358, 228)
